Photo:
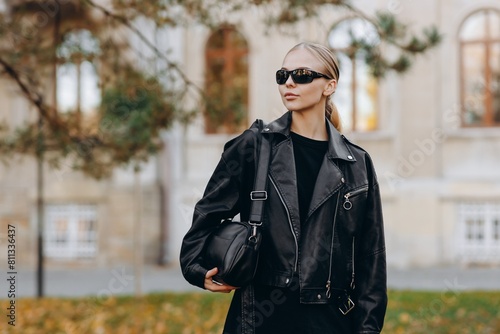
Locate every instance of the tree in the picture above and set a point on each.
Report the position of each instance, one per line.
(136, 104)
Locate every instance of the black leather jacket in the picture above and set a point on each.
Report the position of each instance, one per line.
(341, 246)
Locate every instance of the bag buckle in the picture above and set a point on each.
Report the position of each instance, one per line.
(258, 195)
(346, 305)
(253, 236)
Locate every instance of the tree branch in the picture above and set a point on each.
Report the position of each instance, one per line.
(143, 38)
(35, 98)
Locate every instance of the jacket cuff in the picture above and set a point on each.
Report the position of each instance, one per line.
(197, 276)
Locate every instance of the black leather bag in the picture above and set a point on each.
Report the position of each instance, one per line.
(233, 247)
(234, 250)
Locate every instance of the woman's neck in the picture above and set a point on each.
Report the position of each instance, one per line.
(309, 124)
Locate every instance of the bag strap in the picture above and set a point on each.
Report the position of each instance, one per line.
(259, 195)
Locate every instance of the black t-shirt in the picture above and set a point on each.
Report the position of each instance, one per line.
(309, 154)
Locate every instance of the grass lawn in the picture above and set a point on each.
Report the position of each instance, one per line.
(409, 312)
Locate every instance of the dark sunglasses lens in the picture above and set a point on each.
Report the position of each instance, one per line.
(281, 77)
(302, 76)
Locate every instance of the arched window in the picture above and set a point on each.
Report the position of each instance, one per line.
(480, 68)
(77, 78)
(357, 93)
(226, 81)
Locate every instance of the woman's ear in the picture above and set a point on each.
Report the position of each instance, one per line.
(330, 87)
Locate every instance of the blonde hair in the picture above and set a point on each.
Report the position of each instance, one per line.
(329, 60)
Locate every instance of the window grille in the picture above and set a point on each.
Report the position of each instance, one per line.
(479, 232)
(70, 231)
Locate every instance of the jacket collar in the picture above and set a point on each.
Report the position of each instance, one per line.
(337, 143)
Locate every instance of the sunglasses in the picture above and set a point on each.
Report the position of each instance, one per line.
(299, 76)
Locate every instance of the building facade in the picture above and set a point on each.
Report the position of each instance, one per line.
(433, 133)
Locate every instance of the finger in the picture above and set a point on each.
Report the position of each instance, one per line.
(224, 287)
(221, 284)
(217, 287)
(211, 272)
(216, 282)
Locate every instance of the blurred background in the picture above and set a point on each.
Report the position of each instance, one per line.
(114, 115)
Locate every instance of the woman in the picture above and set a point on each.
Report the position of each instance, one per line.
(322, 266)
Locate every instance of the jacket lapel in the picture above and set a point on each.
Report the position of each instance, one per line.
(330, 178)
(282, 167)
(282, 170)
(328, 182)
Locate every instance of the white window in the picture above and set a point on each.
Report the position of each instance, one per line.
(77, 77)
(479, 232)
(70, 231)
(357, 92)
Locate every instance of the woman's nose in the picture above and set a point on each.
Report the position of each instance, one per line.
(289, 81)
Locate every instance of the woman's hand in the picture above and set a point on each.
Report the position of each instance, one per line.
(210, 284)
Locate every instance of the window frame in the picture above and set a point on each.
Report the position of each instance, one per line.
(482, 219)
(487, 43)
(354, 84)
(62, 61)
(232, 54)
(74, 248)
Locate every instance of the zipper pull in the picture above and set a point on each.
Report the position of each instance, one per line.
(347, 204)
(328, 290)
(353, 285)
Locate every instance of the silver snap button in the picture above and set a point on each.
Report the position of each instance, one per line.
(349, 157)
(287, 281)
(266, 129)
(342, 180)
(319, 296)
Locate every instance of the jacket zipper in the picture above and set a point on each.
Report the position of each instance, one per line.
(347, 203)
(290, 224)
(329, 282)
(353, 285)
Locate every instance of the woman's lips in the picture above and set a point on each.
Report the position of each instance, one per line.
(290, 96)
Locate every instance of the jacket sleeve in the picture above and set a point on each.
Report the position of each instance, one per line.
(371, 274)
(222, 199)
